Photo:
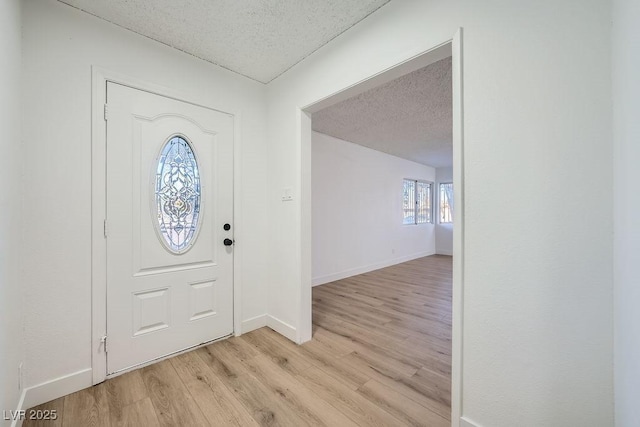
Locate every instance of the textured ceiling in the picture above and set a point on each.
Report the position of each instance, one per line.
(260, 39)
(410, 117)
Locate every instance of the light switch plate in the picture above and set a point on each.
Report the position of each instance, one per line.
(286, 195)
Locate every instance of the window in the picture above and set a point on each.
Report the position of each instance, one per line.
(416, 202)
(177, 191)
(446, 202)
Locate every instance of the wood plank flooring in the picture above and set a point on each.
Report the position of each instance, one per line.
(380, 356)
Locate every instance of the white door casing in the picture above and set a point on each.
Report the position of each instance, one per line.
(158, 301)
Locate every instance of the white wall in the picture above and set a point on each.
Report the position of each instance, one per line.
(626, 131)
(60, 46)
(11, 342)
(444, 232)
(357, 210)
(538, 302)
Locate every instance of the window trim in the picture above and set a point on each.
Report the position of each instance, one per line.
(440, 184)
(430, 211)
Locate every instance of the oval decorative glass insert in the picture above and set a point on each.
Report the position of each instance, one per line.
(178, 195)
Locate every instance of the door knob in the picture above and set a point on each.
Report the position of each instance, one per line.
(227, 242)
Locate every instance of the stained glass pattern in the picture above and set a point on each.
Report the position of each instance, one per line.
(178, 194)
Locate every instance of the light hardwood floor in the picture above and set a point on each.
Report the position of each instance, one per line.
(380, 356)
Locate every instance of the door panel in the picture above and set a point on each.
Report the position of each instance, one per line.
(160, 300)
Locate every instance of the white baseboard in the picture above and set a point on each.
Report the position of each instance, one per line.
(365, 269)
(450, 253)
(53, 389)
(282, 328)
(253, 323)
(466, 422)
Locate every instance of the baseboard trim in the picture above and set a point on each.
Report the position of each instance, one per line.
(282, 328)
(53, 389)
(450, 253)
(316, 281)
(466, 422)
(253, 323)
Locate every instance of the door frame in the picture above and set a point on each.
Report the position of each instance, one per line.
(99, 78)
(454, 46)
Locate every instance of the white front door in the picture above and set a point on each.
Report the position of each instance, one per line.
(169, 226)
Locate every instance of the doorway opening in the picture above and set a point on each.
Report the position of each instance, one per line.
(359, 307)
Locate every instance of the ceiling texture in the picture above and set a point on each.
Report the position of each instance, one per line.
(409, 117)
(259, 39)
